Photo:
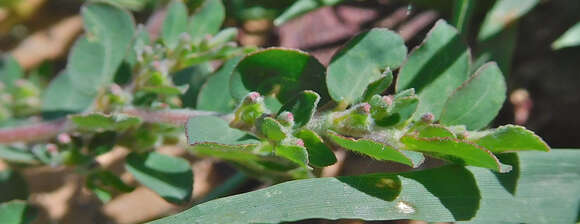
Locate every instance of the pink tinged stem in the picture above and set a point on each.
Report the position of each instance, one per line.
(34, 132)
(50, 129)
(176, 117)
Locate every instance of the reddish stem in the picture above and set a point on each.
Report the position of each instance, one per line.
(33, 132)
(50, 129)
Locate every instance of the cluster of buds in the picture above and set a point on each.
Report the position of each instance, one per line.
(22, 99)
(252, 115)
(356, 121)
(249, 111)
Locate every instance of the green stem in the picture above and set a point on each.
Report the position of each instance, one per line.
(462, 13)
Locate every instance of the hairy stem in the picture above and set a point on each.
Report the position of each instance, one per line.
(34, 132)
(50, 129)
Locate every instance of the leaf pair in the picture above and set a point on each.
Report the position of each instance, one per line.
(207, 20)
(93, 60)
(438, 70)
(479, 150)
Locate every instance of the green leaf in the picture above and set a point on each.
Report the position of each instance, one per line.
(445, 194)
(170, 177)
(194, 76)
(210, 129)
(379, 86)
(10, 71)
(12, 185)
(511, 138)
(102, 143)
(103, 183)
(272, 103)
(279, 71)
(478, 100)
(94, 59)
(102, 122)
(301, 7)
(570, 38)
(435, 69)
(294, 153)
(362, 61)
(16, 212)
(240, 153)
(174, 24)
(502, 15)
(61, 98)
(462, 13)
(403, 109)
(319, 154)
(523, 198)
(224, 36)
(302, 107)
(165, 90)
(272, 129)
(214, 94)
(454, 150)
(371, 148)
(207, 20)
(434, 131)
(17, 155)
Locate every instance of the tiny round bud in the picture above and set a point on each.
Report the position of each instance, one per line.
(148, 50)
(388, 99)
(286, 118)
(116, 89)
(289, 116)
(20, 82)
(299, 142)
(366, 108)
(253, 97)
(428, 117)
(185, 37)
(52, 148)
(63, 138)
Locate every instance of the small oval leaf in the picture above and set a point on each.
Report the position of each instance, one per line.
(302, 107)
(361, 62)
(319, 154)
(371, 148)
(454, 150)
(435, 69)
(170, 177)
(278, 71)
(210, 129)
(478, 100)
(511, 138)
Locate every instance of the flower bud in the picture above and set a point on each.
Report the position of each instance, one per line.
(251, 108)
(286, 118)
(299, 142)
(63, 138)
(428, 118)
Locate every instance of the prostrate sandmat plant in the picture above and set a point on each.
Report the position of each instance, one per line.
(278, 115)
